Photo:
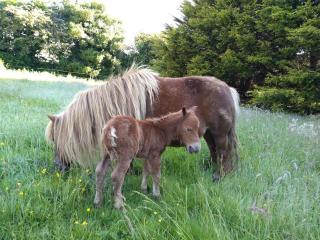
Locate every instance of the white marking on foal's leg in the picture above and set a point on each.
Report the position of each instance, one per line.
(113, 137)
(156, 185)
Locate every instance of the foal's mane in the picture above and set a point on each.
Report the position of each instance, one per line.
(77, 130)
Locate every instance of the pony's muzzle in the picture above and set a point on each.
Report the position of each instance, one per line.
(194, 148)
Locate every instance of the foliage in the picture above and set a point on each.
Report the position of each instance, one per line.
(246, 43)
(274, 193)
(297, 88)
(298, 91)
(72, 38)
(143, 51)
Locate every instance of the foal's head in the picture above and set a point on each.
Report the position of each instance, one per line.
(188, 131)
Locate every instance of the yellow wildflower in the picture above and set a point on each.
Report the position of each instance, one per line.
(58, 174)
(18, 184)
(88, 210)
(76, 222)
(21, 194)
(84, 223)
(44, 171)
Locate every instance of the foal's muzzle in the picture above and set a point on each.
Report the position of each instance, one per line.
(194, 148)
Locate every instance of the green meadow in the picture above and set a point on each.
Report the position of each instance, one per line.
(273, 194)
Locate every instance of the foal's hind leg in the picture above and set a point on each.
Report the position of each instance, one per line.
(155, 164)
(117, 178)
(145, 174)
(101, 171)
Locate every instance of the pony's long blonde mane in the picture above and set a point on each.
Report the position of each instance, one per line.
(77, 130)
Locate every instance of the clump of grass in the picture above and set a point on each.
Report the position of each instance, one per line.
(274, 193)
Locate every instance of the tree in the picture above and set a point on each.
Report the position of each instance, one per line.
(253, 45)
(23, 32)
(72, 38)
(297, 89)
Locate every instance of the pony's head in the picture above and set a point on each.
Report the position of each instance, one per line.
(51, 136)
(188, 131)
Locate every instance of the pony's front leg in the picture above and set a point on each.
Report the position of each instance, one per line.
(117, 178)
(155, 165)
(101, 171)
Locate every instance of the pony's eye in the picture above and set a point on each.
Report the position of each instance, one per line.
(189, 129)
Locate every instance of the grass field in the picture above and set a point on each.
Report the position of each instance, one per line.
(274, 194)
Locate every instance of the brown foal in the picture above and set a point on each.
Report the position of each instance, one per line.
(125, 137)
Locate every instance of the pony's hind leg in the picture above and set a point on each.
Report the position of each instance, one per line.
(117, 178)
(101, 171)
(212, 147)
(225, 164)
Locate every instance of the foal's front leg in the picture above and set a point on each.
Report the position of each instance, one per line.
(101, 171)
(117, 178)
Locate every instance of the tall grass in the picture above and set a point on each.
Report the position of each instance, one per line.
(274, 194)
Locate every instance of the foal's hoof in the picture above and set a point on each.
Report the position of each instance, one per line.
(144, 190)
(97, 205)
(216, 177)
(156, 197)
(118, 204)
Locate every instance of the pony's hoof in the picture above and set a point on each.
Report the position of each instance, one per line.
(62, 167)
(216, 177)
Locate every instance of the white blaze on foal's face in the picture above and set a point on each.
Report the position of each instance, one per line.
(113, 137)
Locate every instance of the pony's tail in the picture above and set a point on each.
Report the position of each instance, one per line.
(232, 135)
(236, 100)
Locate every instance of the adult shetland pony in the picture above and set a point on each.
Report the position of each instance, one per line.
(140, 93)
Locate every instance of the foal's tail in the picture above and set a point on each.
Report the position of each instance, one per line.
(232, 135)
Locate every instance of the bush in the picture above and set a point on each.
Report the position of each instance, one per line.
(298, 91)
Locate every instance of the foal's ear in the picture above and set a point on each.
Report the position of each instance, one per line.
(184, 111)
(52, 118)
(194, 108)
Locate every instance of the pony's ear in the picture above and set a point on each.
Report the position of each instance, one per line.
(52, 118)
(184, 111)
